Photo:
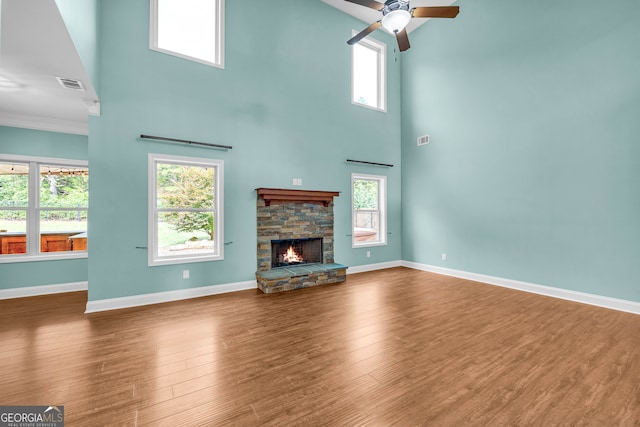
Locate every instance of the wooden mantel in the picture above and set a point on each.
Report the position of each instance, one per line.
(309, 196)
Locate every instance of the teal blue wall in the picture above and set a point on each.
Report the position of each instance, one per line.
(25, 142)
(532, 173)
(81, 19)
(283, 103)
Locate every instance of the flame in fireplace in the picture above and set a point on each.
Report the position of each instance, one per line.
(291, 256)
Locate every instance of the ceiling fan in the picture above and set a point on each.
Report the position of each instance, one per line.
(396, 14)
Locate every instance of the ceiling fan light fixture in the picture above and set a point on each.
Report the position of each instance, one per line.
(396, 20)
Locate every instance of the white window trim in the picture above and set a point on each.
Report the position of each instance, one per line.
(153, 36)
(218, 237)
(382, 205)
(33, 222)
(382, 72)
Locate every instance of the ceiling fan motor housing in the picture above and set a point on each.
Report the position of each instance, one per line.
(391, 5)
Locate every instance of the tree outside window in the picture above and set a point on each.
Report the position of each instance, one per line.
(185, 209)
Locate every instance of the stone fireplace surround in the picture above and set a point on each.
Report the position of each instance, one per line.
(295, 214)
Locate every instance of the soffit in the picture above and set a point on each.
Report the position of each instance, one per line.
(35, 48)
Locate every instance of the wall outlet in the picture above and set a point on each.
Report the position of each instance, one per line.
(368, 254)
(297, 181)
(185, 274)
(444, 256)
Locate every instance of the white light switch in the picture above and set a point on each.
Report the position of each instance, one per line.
(297, 181)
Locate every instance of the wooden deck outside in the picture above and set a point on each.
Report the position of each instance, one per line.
(16, 243)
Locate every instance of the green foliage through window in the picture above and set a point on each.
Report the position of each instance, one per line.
(365, 194)
(66, 188)
(44, 204)
(58, 189)
(187, 187)
(14, 189)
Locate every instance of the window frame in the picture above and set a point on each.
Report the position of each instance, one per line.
(382, 210)
(218, 209)
(381, 49)
(33, 210)
(219, 44)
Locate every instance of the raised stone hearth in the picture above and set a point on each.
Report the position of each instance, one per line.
(289, 278)
(295, 214)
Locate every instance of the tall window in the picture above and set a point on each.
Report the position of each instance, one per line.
(44, 207)
(185, 209)
(190, 29)
(368, 86)
(369, 205)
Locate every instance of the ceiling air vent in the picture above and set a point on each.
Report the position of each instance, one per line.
(70, 83)
(423, 140)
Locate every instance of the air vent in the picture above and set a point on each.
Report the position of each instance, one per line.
(423, 140)
(70, 83)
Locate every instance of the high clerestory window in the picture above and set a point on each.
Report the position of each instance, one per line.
(44, 205)
(369, 74)
(189, 29)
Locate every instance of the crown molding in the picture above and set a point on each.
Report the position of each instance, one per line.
(44, 123)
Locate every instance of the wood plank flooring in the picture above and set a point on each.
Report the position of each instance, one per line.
(393, 347)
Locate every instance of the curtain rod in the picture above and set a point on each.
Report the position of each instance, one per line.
(370, 163)
(183, 141)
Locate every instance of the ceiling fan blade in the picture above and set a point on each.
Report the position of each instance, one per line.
(435, 12)
(364, 33)
(368, 3)
(403, 40)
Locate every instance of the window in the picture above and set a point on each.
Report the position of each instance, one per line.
(369, 205)
(189, 29)
(185, 209)
(44, 207)
(368, 80)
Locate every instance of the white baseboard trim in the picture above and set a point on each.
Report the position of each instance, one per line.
(582, 297)
(33, 291)
(160, 297)
(373, 267)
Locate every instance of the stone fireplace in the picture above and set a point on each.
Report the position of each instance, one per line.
(295, 240)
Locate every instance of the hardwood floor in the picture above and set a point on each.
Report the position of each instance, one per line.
(394, 347)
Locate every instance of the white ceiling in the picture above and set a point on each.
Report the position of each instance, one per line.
(35, 48)
(369, 16)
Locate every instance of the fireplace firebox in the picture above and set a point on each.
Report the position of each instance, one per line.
(290, 252)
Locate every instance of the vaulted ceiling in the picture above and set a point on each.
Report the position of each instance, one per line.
(35, 48)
